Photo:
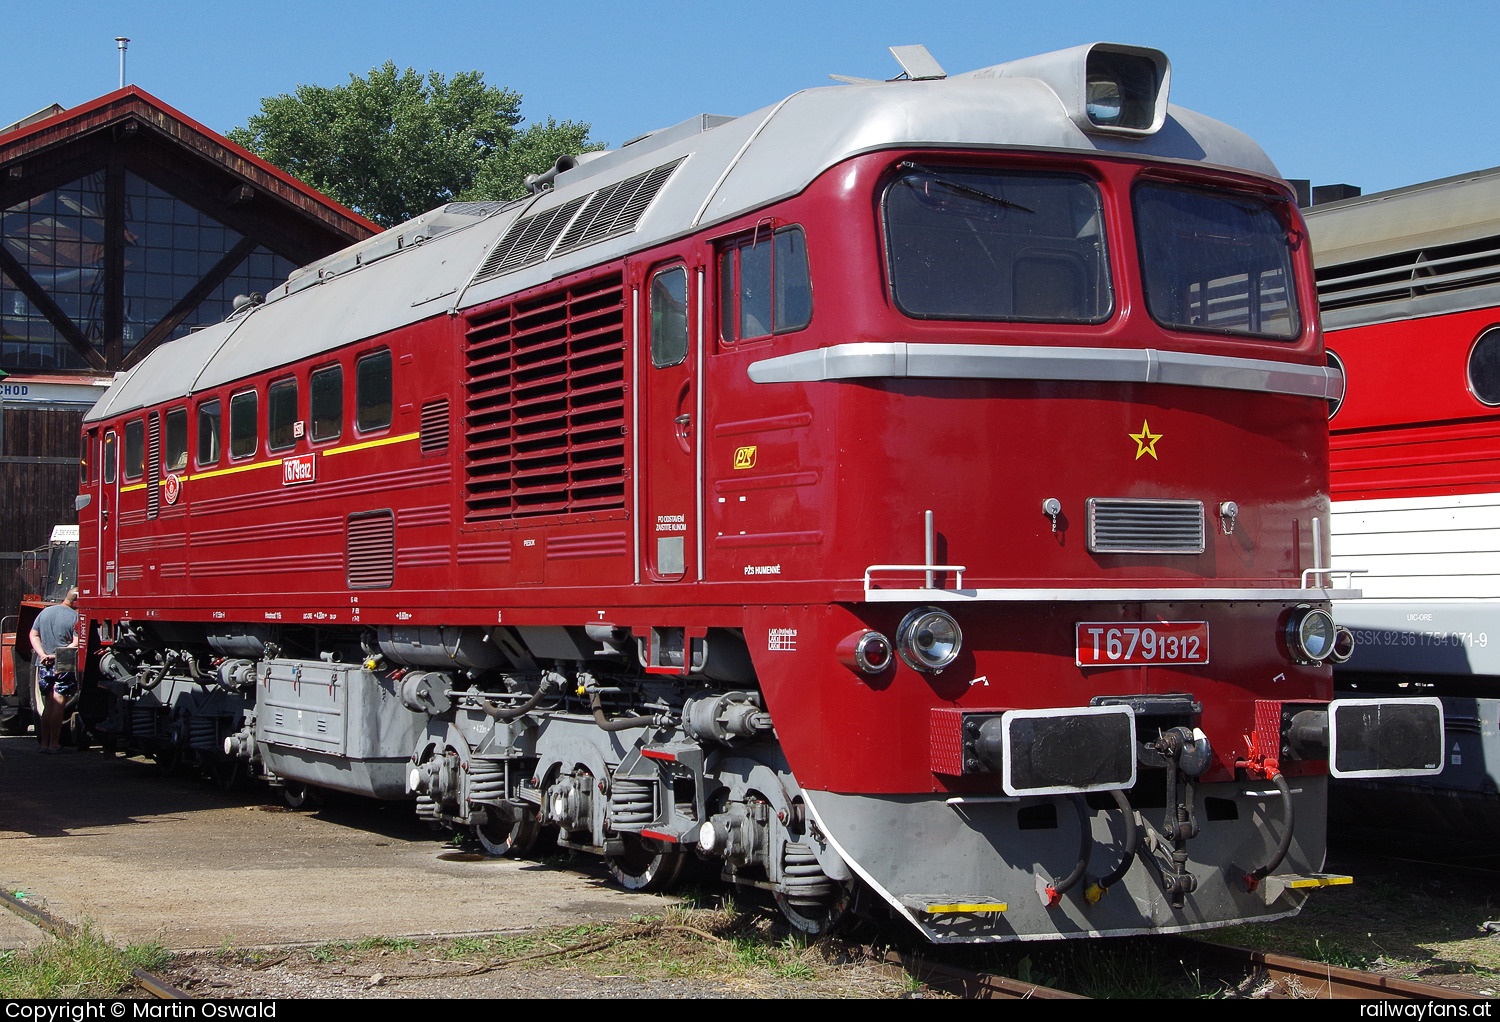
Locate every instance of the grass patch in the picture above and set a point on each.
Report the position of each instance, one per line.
(79, 964)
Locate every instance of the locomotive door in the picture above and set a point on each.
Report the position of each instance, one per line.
(109, 492)
(670, 424)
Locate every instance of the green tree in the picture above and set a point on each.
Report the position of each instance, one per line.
(395, 144)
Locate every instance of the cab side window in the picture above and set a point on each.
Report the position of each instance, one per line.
(764, 285)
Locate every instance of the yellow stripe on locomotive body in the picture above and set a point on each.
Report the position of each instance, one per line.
(931, 457)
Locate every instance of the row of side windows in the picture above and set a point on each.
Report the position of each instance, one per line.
(283, 425)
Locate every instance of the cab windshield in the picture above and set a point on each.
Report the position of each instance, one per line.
(1216, 261)
(967, 243)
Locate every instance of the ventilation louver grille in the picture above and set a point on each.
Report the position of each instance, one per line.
(1118, 526)
(153, 465)
(435, 426)
(544, 422)
(1409, 274)
(607, 213)
(370, 550)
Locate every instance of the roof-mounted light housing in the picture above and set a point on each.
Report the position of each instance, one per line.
(1107, 88)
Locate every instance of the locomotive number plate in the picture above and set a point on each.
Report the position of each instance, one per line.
(1126, 643)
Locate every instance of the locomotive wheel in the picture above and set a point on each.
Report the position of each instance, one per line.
(297, 795)
(829, 917)
(644, 869)
(167, 758)
(227, 772)
(509, 837)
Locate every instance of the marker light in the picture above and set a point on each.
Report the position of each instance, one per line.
(929, 639)
(866, 651)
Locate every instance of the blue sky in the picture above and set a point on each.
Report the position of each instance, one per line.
(1375, 93)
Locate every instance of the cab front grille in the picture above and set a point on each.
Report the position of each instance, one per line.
(1122, 526)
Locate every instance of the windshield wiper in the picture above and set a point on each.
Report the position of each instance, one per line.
(964, 189)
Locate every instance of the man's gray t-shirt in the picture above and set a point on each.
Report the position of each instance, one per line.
(55, 626)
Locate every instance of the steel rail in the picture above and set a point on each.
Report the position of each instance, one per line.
(62, 928)
(1291, 977)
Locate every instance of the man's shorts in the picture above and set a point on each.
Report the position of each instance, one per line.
(49, 679)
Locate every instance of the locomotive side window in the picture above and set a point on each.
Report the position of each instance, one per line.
(135, 449)
(109, 457)
(372, 385)
(1213, 261)
(669, 317)
(281, 415)
(327, 387)
(174, 451)
(967, 243)
(764, 285)
(244, 424)
(208, 433)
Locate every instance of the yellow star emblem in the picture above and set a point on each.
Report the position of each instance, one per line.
(1145, 441)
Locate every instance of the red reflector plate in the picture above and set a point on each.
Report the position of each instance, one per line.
(1126, 643)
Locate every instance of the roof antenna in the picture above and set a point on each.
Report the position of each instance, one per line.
(122, 42)
(917, 65)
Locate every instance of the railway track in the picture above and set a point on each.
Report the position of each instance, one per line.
(1265, 976)
(149, 981)
(1253, 975)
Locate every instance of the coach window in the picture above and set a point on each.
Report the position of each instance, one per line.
(208, 433)
(244, 425)
(281, 415)
(327, 387)
(372, 385)
(669, 317)
(764, 285)
(135, 449)
(109, 457)
(174, 451)
(1484, 367)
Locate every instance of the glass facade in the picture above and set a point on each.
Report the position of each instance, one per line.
(170, 253)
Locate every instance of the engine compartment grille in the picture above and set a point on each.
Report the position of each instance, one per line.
(1123, 526)
(544, 416)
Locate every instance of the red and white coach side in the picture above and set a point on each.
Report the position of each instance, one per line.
(1409, 282)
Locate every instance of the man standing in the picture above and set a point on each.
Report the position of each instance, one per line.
(55, 629)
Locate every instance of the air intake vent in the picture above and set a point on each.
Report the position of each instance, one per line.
(370, 550)
(544, 418)
(153, 465)
(435, 426)
(607, 213)
(1118, 526)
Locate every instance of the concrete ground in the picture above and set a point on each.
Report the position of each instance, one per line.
(152, 857)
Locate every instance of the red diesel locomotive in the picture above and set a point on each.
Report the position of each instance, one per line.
(910, 492)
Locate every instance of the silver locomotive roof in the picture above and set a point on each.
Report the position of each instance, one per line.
(1423, 250)
(669, 183)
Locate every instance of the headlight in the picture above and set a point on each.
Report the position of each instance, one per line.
(929, 639)
(1310, 635)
